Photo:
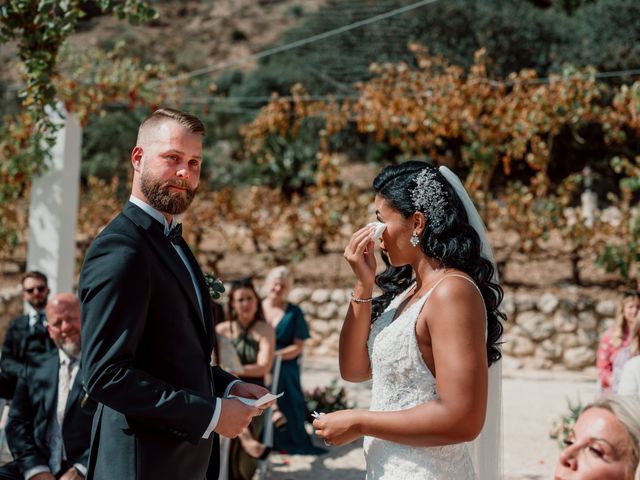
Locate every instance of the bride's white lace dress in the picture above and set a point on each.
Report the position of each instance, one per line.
(402, 380)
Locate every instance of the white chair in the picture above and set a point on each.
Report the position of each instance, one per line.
(267, 434)
(4, 417)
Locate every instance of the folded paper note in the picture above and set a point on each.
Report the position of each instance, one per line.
(257, 402)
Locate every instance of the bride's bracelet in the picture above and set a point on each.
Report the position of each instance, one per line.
(359, 299)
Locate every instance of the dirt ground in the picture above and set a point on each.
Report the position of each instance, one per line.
(532, 400)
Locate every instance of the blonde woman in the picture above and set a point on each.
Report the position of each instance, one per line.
(291, 332)
(616, 338)
(603, 444)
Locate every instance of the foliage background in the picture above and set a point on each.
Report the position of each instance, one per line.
(516, 105)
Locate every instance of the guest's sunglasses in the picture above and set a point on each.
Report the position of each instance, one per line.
(40, 289)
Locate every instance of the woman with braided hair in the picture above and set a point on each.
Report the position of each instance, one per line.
(429, 343)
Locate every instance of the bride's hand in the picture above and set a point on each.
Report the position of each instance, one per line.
(338, 428)
(360, 254)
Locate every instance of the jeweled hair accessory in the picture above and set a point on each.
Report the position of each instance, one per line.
(429, 197)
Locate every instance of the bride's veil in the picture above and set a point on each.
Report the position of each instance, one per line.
(487, 447)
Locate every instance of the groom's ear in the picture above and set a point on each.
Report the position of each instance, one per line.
(136, 158)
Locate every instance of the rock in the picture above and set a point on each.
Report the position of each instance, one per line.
(308, 308)
(578, 358)
(549, 350)
(540, 363)
(336, 325)
(535, 325)
(327, 311)
(587, 338)
(524, 301)
(339, 296)
(547, 303)
(607, 308)
(298, 295)
(322, 351)
(321, 295)
(605, 324)
(321, 327)
(588, 320)
(565, 321)
(566, 340)
(518, 346)
(584, 303)
(508, 305)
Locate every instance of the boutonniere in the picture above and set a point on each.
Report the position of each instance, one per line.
(215, 286)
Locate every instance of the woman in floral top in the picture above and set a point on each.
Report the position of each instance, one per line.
(616, 338)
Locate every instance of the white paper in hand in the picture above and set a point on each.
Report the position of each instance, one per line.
(257, 402)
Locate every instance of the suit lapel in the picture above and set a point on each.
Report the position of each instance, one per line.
(204, 293)
(170, 258)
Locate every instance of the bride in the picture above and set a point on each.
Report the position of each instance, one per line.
(428, 341)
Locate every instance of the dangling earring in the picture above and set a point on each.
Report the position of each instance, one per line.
(414, 241)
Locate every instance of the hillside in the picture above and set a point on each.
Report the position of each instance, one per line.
(189, 34)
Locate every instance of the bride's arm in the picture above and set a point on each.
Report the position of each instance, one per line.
(455, 317)
(355, 365)
(354, 358)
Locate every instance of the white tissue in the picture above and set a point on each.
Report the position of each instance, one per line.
(379, 228)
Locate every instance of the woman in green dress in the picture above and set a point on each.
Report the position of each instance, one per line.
(291, 332)
(254, 340)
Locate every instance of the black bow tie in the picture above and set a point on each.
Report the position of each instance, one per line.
(175, 234)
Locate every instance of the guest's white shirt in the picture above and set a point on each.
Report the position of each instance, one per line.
(34, 316)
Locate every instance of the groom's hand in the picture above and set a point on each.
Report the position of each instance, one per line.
(235, 416)
(250, 390)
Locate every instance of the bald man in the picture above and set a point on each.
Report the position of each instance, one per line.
(147, 325)
(49, 427)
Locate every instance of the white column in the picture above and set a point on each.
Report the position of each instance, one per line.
(53, 210)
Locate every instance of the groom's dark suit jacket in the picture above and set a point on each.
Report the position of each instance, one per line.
(146, 353)
(33, 408)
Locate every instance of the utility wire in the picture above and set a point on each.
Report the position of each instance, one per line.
(304, 41)
(320, 97)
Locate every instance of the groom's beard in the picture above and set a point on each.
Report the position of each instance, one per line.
(162, 198)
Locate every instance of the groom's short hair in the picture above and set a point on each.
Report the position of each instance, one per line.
(190, 122)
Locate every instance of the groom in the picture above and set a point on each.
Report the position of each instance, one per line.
(147, 328)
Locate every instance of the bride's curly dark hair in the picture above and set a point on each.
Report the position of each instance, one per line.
(452, 241)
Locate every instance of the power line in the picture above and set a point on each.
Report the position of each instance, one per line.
(304, 41)
(321, 97)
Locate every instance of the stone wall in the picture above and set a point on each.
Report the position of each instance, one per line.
(10, 307)
(543, 331)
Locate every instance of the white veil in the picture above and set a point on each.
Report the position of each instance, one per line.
(487, 448)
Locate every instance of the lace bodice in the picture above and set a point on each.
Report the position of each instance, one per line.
(401, 380)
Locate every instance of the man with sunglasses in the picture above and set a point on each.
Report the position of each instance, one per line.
(27, 334)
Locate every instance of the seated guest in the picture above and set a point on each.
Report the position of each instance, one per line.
(604, 444)
(291, 332)
(27, 335)
(254, 341)
(49, 426)
(616, 338)
(626, 355)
